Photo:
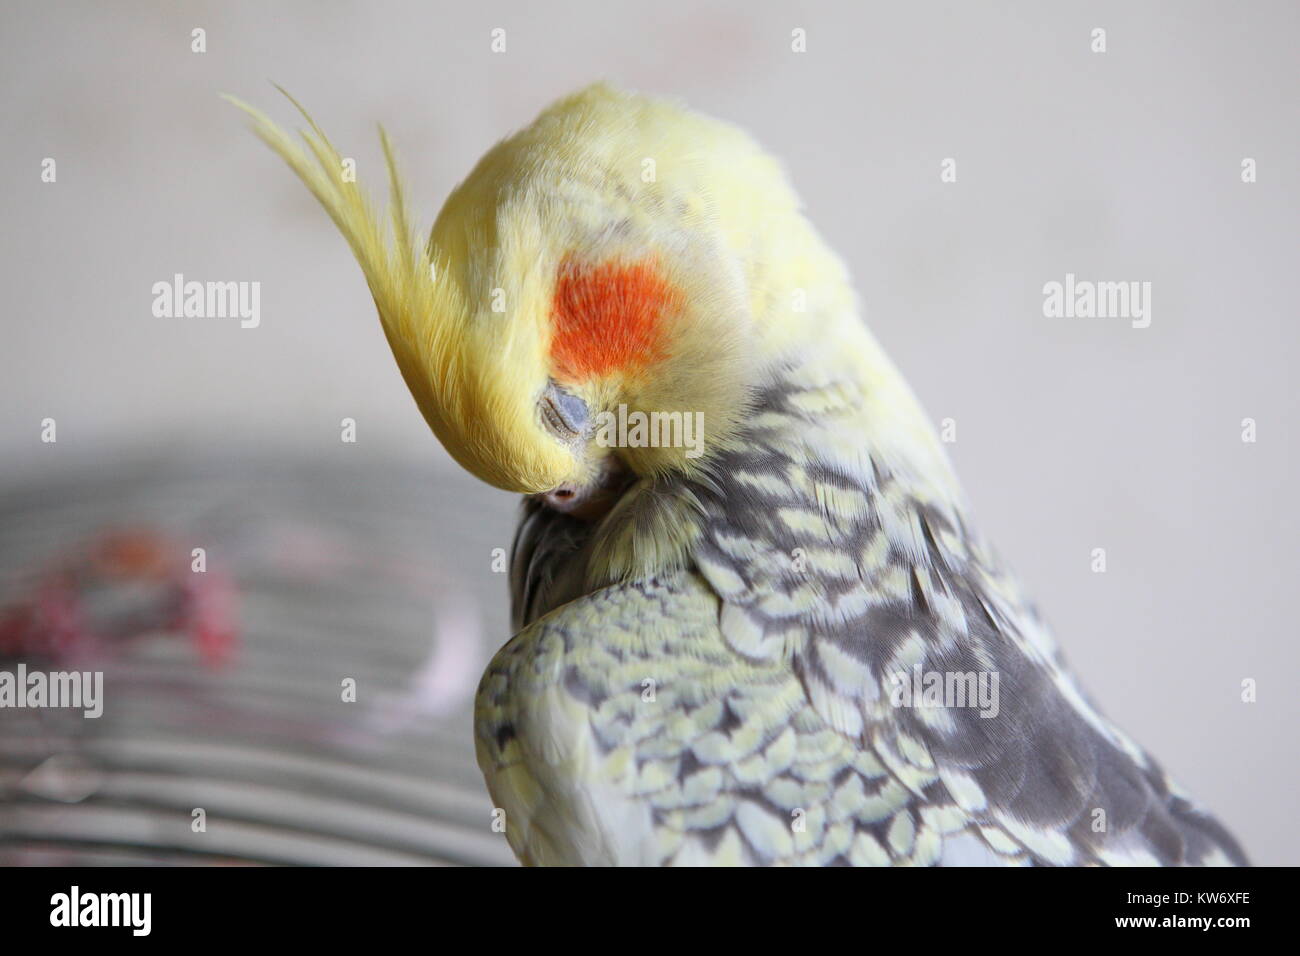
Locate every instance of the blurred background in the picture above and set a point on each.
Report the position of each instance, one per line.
(372, 560)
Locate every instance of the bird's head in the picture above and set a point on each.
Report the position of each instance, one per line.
(582, 311)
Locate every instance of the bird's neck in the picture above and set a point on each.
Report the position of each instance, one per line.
(857, 409)
(827, 401)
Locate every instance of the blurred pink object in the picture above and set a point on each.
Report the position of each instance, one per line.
(126, 585)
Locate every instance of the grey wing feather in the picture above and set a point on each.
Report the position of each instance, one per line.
(896, 581)
(1047, 768)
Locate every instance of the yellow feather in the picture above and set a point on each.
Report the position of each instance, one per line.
(715, 213)
(423, 307)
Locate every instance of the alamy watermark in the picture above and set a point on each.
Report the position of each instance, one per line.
(82, 690)
(1085, 299)
(636, 429)
(130, 910)
(208, 300)
(918, 688)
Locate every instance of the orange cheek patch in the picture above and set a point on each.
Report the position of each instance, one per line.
(608, 317)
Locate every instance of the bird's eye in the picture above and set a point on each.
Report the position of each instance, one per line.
(563, 412)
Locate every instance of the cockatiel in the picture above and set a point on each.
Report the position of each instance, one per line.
(770, 644)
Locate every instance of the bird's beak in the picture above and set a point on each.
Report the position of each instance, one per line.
(592, 500)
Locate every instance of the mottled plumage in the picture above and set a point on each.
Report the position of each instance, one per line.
(709, 648)
(771, 693)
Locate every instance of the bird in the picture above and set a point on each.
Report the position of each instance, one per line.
(754, 621)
